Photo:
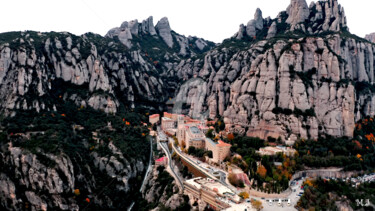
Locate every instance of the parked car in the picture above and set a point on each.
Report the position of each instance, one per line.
(288, 202)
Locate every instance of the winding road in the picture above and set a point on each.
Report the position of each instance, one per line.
(170, 169)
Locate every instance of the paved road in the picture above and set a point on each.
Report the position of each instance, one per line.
(170, 169)
(192, 162)
(197, 166)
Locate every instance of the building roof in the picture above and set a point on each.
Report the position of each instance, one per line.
(209, 184)
(154, 115)
(194, 130)
(273, 149)
(166, 118)
(161, 159)
(223, 144)
(202, 127)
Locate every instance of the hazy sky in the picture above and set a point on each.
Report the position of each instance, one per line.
(213, 20)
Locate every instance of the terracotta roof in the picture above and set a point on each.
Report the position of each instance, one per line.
(154, 115)
(161, 159)
(223, 144)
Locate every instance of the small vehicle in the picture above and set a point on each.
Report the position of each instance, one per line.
(288, 202)
(279, 203)
(263, 198)
(270, 202)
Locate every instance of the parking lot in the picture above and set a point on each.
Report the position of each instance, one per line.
(293, 197)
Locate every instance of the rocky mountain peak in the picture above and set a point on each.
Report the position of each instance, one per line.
(370, 37)
(258, 18)
(132, 28)
(319, 17)
(298, 12)
(148, 26)
(331, 13)
(164, 31)
(252, 26)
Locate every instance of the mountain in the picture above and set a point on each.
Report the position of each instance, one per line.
(302, 74)
(370, 37)
(73, 108)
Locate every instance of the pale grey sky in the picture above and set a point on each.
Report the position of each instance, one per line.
(213, 20)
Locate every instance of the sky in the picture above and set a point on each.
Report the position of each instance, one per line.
(213, 20)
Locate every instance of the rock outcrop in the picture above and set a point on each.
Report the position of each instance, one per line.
(160, 193)
(370, 37)
(132, 33)
(57, 59)
(252, 26)
(298, 12)
(164, 31)
(301, 87)
(309, 75)
(320, 16)
(45, 181)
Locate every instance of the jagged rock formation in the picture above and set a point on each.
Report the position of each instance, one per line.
(302, 86)
(298, 12)
(105, 71)
(46, 181)
(302, 74)
(164, 31)
(370, 37)
(163, 194)
(252, 26)
(178, 44)
(319, 17)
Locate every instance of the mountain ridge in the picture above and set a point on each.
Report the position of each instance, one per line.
(302, 75)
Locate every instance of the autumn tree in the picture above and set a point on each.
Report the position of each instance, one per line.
(244, 195)
(262, 171)
(77, 192)
(230, 137)
(257, 204)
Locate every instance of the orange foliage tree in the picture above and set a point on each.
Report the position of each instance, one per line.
(262, 171)
(230, 136)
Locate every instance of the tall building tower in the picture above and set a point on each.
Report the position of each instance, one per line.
(180, 129)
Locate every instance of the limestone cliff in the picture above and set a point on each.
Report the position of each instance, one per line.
(32, 62)
(317, 80)
(44, 181)
(370, 37)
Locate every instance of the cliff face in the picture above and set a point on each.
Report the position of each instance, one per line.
(41, 181)
(310, 77)
(302, 74)
(31, 64)
(127, 65)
